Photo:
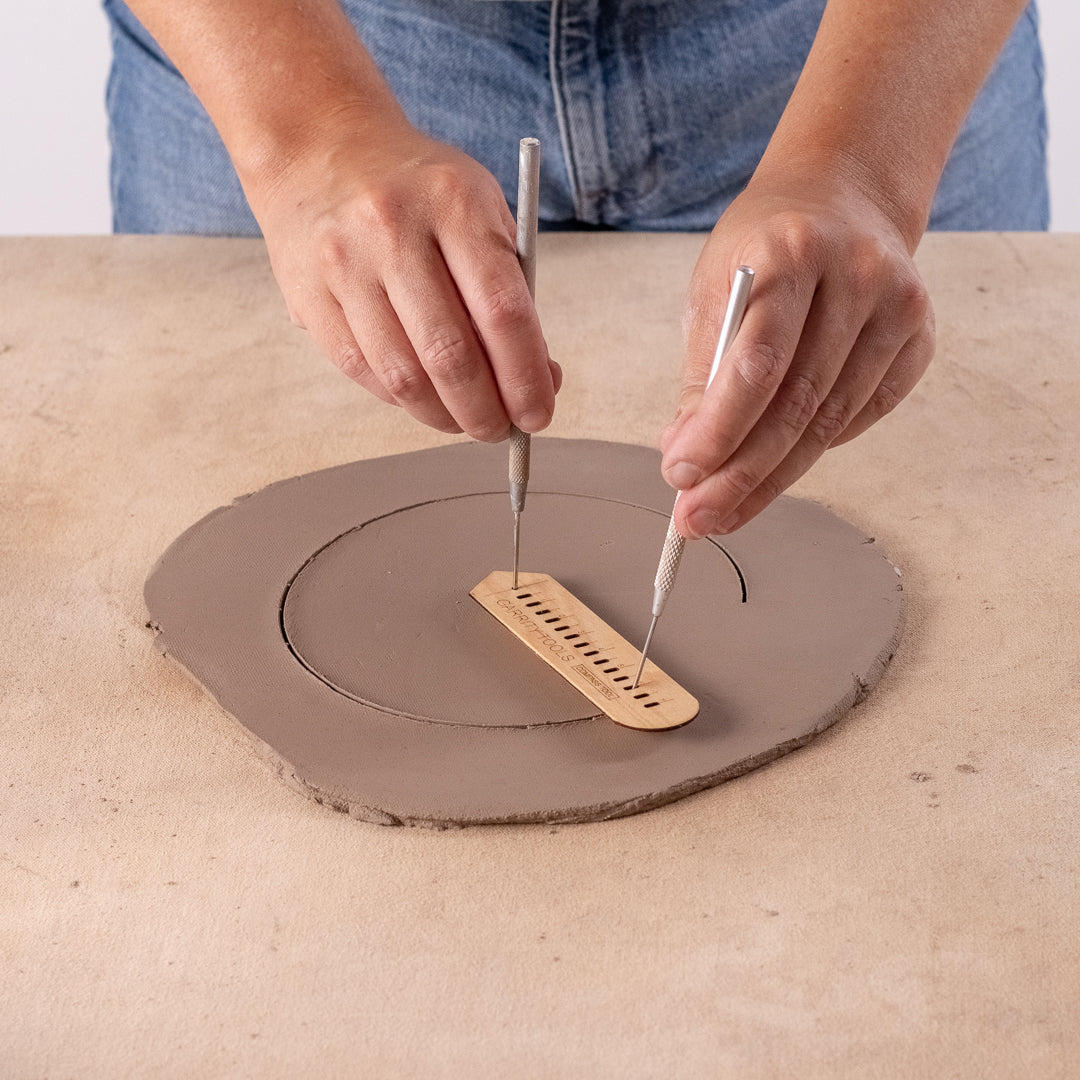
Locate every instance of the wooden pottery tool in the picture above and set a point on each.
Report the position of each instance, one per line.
(585, 651)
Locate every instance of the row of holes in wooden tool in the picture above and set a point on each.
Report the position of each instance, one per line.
(619, 680)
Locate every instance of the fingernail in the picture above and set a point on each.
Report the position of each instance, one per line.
(556, 374)
(536, 420)
(682, 475)
(701, 523)
(730, 523)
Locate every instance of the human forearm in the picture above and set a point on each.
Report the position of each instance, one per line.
(395, 251)
(272, 74)
(883, 94)
(839, 327)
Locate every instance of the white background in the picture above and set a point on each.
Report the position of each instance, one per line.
(54, 57)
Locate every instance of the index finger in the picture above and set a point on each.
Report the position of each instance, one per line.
(494, 290)
(746, 380)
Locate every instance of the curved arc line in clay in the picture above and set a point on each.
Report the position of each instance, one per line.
(471, 494)
(330, 684)
(326, 681)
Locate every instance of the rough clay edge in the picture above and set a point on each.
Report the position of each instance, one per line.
(283, 770)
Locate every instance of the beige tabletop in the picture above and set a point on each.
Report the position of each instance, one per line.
(901, 898)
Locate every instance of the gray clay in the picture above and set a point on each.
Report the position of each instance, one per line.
(330, 614)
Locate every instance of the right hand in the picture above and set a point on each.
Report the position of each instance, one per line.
(397, 253)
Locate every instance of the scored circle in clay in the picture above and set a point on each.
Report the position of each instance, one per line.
(383, 614)
(331, 615)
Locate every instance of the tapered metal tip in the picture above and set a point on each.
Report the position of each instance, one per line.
(517, 543)
(644, 653)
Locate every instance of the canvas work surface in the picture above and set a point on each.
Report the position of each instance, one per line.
(897, 898)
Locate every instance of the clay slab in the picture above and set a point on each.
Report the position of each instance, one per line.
(330, 614)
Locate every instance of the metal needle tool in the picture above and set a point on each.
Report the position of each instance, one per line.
(528, 196)
(675, 542)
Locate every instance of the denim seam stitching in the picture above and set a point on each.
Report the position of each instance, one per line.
(557, 92)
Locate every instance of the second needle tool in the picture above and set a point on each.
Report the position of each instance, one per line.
(527, 212)
(675, 542)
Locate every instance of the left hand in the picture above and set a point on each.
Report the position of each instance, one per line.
(838, 330)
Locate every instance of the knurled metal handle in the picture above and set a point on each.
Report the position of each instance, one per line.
(527, 213)
(674, 543)
(520, 447)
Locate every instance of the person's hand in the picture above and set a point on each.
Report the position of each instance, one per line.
(397, 254)
(837, 331)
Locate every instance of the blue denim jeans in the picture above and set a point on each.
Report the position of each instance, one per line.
(652, 113)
